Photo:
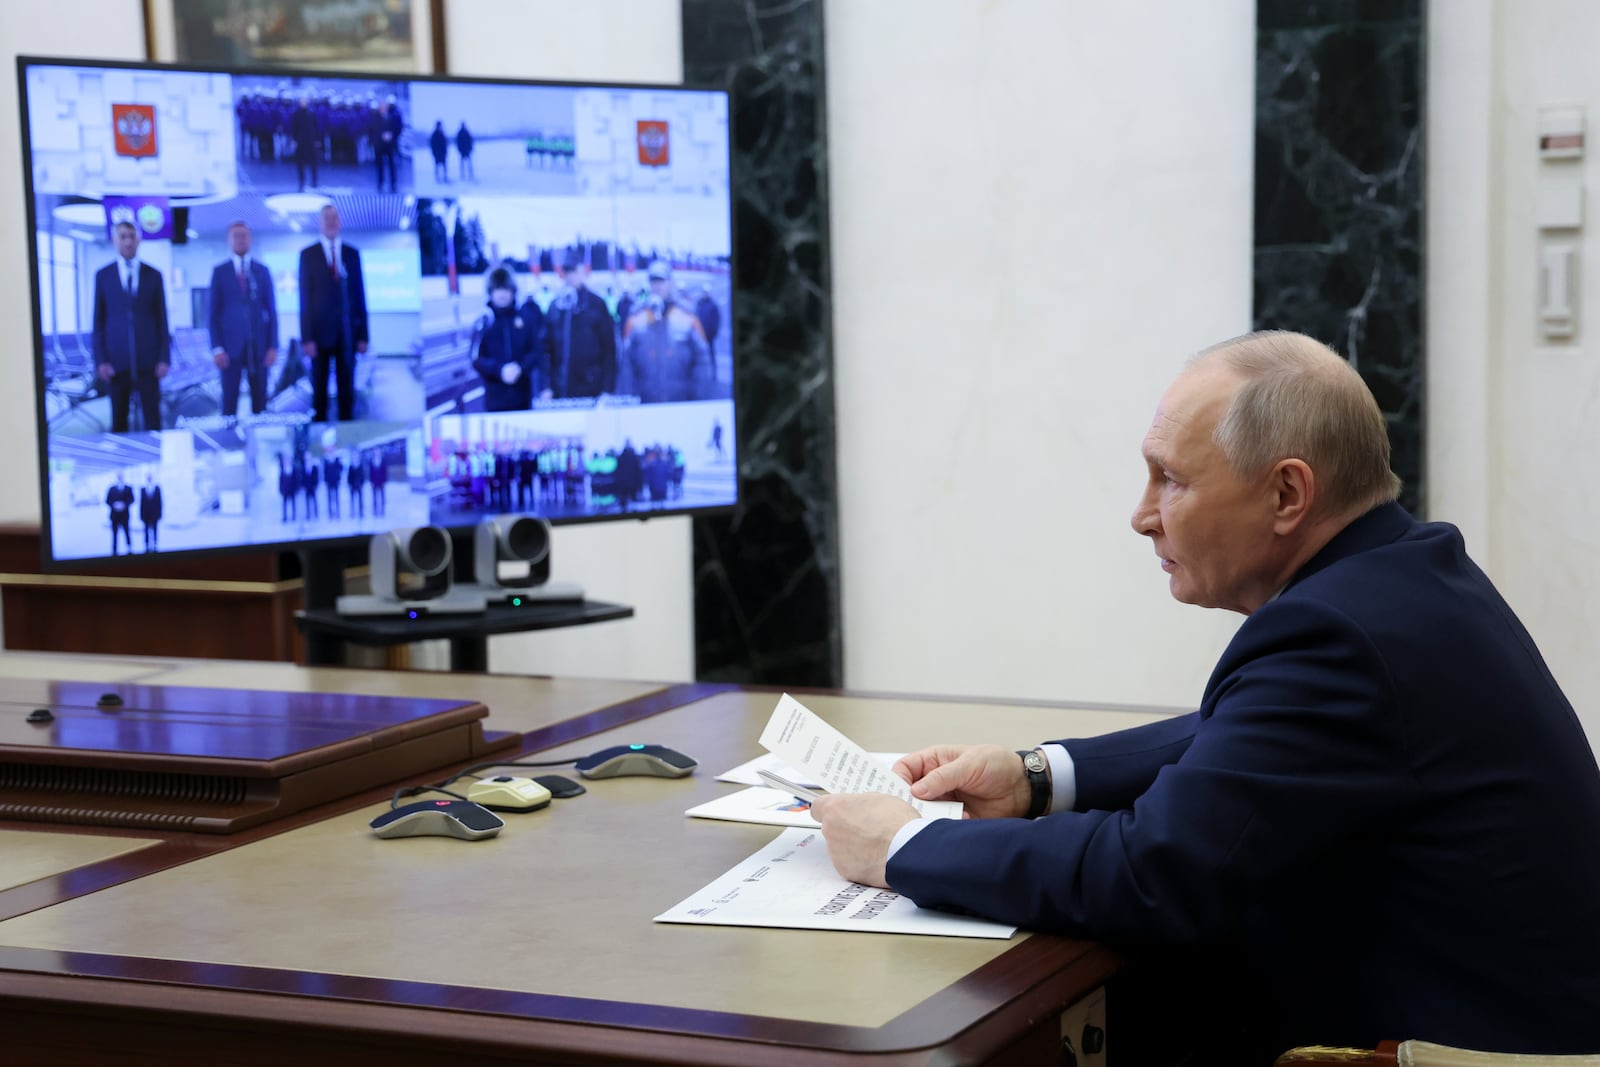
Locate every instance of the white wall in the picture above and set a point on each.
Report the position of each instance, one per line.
(1513, 420)
(1039, 210)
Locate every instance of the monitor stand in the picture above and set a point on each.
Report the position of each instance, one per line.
(544, 593)
(463, 600)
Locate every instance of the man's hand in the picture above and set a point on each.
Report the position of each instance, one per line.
(105, 370)
(161, 370)
(858, 828)
(270, 358)
(220, 358)
(509, 373)
(988, 779)
(309, 348)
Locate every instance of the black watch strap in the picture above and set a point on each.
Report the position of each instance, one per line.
(1036, 767)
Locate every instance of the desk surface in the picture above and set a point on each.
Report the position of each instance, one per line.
(543, 934)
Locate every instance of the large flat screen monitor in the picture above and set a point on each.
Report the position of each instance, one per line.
(280, 308)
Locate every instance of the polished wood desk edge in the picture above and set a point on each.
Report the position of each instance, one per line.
(109, 584)
(968, 1022)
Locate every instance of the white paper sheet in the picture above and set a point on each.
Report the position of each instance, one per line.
(819, 753)
(745, 773)
(758, 805)
(791, 883)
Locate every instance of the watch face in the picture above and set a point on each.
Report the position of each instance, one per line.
(1033, 761)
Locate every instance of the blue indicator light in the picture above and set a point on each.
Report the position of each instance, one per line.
(636, 748)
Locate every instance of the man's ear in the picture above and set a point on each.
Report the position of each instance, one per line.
(1294, 487)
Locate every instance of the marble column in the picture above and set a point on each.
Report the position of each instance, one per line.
(767, 575)
(1339, 180)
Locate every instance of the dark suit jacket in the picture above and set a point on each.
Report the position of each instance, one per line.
(321, 310)
(151, 341)
(243, 322)
(1384, 803)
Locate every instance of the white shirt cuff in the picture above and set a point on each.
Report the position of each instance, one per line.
(1063, 794)
(1063, 777)
(904, 834)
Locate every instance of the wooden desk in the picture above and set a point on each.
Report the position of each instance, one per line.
(239, 606)
(321, 942)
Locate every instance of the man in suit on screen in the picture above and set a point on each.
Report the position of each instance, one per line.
(132, 346)
(1382, 818)
(119, 503)
(333, 315)
(244, 323)
(150, 512)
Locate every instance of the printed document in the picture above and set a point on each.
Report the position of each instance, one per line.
(818, 753)
(758, 805)
(791, 883)
(745, 773)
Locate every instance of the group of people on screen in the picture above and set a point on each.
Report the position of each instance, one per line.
(120, 505)
(338, 476)
(133, 342)
(313, 129)
(658, 346)
(508, 478)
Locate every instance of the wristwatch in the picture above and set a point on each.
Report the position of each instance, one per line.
(1036, 767)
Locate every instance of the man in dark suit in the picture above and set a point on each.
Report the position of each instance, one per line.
(580, 336)
(378, 475)
(131, 342)
(1384, 813)
(333, 315)
(244, 323)
(308, 484)
(119, 501)
(464, 149)
(288, 485)
(356, 478)
(387, 125)
(332, 473)
(150, 512)
(306, 131)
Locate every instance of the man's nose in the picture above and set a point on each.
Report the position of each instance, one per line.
(1146, 516)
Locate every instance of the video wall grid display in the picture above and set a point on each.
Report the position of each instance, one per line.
(274, 308)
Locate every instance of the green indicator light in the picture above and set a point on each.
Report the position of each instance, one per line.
(636, 748)
(516, 602)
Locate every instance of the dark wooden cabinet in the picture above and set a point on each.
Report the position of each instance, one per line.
(221, 607)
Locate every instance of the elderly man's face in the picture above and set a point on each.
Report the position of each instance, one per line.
(239, 240)
(330, 221)
(1212, 530)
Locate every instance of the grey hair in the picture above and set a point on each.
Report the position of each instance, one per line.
(1301, 400)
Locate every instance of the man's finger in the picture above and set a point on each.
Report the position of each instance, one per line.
(940, 781)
